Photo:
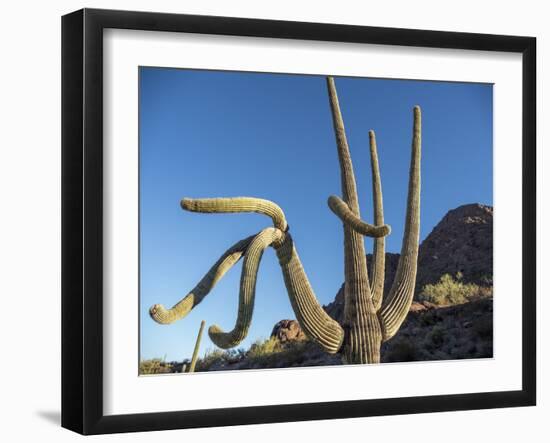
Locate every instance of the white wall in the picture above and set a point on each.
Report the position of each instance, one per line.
(30, 216)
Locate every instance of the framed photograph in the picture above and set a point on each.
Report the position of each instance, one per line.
(268, 221)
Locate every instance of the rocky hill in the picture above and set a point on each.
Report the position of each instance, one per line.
(461, 242)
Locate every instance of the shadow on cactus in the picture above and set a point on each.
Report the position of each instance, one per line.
(370, 317)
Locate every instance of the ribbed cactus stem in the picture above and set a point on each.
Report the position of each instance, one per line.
(364, 340)
(237, 204)
(342, 211)
(196, 350)
(358, 304)
(251, 262)
(397, 304)
(378, 264)
(316, 323)
(166, 316)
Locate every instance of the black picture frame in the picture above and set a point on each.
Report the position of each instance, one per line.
(82, 215)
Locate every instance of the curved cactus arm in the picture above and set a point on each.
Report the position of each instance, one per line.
(251, 262)
(166, 316)
(238, 204)
(396, 306)
(315, 322)
(377, 268)
(342, 211)
(196, 349)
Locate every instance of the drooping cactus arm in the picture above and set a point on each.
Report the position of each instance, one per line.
(341, 209)
(237, 204)
(379, 252)
(251, 262)
(196, 349)
(315, 322)
(396, 306)
(166, 316)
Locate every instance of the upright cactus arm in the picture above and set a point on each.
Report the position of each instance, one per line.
(396, 306)
(347, 176)
(342, 211)
(166, 316)
(196, 349)
(360, 320)
(377, 268)
(238, 204)
(251, 262)
(315, 322)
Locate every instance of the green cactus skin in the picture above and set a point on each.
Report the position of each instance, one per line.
(377, 269)
(238, 204)
(251, 262)
(166, 316)
(343, 212)
(196, 350)
(398, 302)
(369, 318)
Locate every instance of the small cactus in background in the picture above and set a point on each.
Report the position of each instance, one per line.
(369, 317)
(196, 350)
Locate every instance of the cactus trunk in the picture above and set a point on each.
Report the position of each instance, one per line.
(196, 350)
(363, 334)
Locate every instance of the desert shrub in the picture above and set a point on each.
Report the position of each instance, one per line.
(261, 354)
(153, 366)
(219, 358)
(264, 353)
(262, 348)
(452, 291)
(273, 353)
(211, 356)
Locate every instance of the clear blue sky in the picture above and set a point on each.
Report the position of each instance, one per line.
(220, 134)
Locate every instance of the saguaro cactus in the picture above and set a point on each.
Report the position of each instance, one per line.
(196, 350)
(369, 317)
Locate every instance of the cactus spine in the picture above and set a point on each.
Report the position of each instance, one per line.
(196, 350)
(369, 318)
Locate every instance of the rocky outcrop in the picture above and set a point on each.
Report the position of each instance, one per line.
(288, 330)
(461, 242)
